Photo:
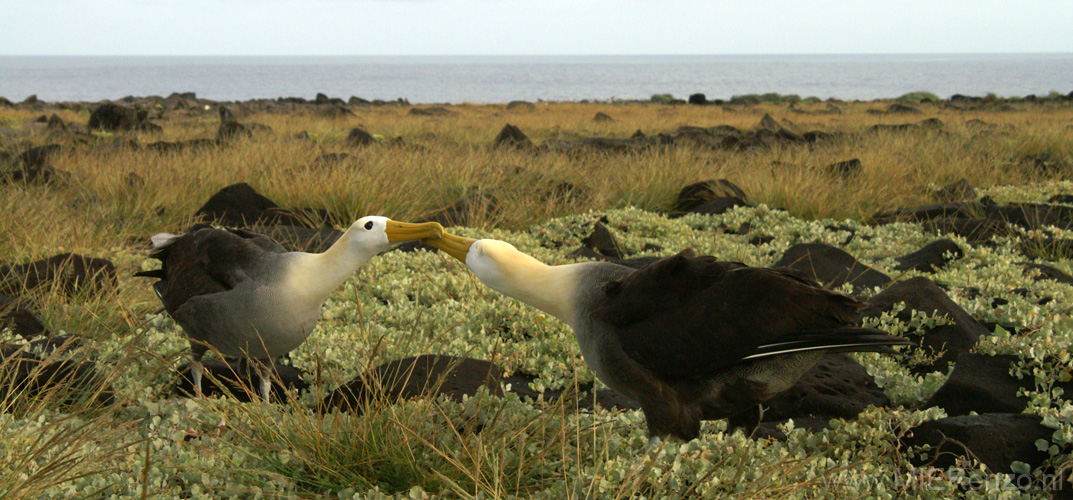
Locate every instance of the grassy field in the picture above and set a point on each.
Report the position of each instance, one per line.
(153, 444)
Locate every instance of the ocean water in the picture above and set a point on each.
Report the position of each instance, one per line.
(490, 79)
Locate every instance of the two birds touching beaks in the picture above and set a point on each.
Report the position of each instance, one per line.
(688, 337)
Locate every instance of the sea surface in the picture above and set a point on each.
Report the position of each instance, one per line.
(494, 79)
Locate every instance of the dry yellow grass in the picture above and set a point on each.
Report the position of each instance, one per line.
(99, 212)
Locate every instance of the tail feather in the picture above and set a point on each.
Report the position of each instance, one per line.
(840, 340)
(161, 240)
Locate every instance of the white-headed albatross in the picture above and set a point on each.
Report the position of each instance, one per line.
(689, 338)
(244, 295)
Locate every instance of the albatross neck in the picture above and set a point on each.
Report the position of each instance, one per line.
(319, 274)
(548, 288)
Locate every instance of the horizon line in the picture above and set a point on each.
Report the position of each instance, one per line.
(684, 54)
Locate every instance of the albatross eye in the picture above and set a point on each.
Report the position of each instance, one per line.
(368, 225)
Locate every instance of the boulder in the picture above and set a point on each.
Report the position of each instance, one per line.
(112, 117)
(697, 193)
(431, 111)
(240, 379)
(956, 191)
(769, 123)
(845, 169)
(601, 244)
(466, 210)
(512, 136)
(947, 342)
(35, 158)
(594, 145)
(602, 117)
(240, 205)
(1045, 272)
(716, 206)
(897, 108)
(420, 376)
(983, 384)
(230, 130)
(334, 112)
(15, 314)
(831, 266)
(69, 273)
(521, 106)
(929, 258)
(996, 439)
(930, 212)
(65, 383)
(358, 137)
(55, 124)
(180, 146)
(976, 231)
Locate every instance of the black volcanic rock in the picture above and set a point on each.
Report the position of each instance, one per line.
(420, 376)
(464, 211)
(239, 205)
(996, 439)
(358, 137)
(1046, 272)
(38, 157)
(976, 231)
(602, 242)
(831, 266)
(512, 136)
(697, 193)
(947, 342)
(64, 383)
(230, 130)
(930, 257)
(112, 117)
(16, 315)
(983, 384)
(956, 191)
(521, 106)
(69, 273)
(846, 169)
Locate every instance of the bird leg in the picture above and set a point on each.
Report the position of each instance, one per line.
(196, 369)
(264, 373)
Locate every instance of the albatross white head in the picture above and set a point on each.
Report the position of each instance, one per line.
(373, 234)
(509, 271)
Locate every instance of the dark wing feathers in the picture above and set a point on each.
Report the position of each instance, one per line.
(205, 260)
(685, 317)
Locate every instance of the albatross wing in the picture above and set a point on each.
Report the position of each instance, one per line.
(686, 317)
(205, 260)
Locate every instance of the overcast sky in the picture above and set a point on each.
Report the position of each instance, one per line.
(508, 27)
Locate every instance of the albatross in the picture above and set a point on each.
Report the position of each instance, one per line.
(244, 295)
(688, 337)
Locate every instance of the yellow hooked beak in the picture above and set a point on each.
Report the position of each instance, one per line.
(405, 231)
(455, 246)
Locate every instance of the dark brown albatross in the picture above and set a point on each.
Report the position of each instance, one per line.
(243, 294)
(689, 338)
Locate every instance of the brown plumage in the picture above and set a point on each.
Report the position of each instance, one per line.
(690, 338)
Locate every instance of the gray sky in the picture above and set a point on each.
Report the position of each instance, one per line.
(502, 27)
